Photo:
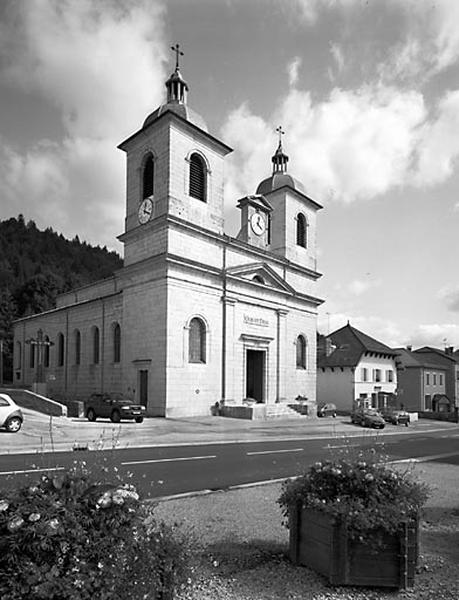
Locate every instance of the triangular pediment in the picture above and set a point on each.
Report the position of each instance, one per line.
(260, 273)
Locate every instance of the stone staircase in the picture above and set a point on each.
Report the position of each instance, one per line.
(284, 411)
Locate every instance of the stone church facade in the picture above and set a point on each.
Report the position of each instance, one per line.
(195, 316)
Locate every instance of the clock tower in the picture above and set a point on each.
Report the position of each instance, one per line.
(255, 221)
(174, 175)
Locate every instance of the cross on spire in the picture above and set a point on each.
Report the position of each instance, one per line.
(281, 133)
(178, 53)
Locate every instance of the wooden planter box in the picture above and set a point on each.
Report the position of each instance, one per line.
(316, 541)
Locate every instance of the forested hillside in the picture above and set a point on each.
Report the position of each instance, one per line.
(35, 266)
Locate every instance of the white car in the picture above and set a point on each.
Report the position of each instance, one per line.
(10, 414)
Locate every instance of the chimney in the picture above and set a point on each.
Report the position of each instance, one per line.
(328, 347)
(449, 350)
(409, 348)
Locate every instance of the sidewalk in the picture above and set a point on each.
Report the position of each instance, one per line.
(41, 433)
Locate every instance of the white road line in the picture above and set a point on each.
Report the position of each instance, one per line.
(160, 460)
(275, 451)
(426, 458)
(31, 471)
(328, 447)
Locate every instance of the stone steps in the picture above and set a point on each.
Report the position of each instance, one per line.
(283, 411)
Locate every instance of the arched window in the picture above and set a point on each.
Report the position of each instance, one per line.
(197, 341)
(197, 177)
(18, 355)
(77, 346)
(46, 351)
(95, 345)
(300, 352)
(60, 350)
(301, 230)
(32, 356)
(148, 177)
(116, 343)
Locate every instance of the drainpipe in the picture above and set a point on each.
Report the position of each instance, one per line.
(223, 384)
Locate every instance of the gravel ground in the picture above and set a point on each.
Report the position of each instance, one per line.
(241, 546)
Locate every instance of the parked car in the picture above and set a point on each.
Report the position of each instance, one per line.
(395, 416)
(368, 417)
(11, 416)
(115, 406)
(327, 410)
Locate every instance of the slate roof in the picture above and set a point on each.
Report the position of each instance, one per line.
(408, 359)
(350, 345)
(441, 354)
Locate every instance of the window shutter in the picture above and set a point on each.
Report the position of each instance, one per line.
(148, 177)
(197, 178)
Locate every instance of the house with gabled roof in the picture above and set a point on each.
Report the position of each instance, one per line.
(422, 379)
(445, 358)
(352, 366)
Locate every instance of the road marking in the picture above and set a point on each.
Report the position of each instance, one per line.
(328, 447)
(275, 451)
(426, 458)
(160, 460)
(31, 471)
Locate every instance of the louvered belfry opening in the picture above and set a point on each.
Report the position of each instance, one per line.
(301, 230)
(197, 178)
(148, 177)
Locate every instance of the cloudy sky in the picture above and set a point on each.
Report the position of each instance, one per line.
(367, 92)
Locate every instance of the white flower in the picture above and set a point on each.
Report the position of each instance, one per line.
(15, 523)
(3, 505)
(33, 517)
(53, 525)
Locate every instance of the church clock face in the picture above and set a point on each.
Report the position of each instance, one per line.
(257, 223)
(145, 211)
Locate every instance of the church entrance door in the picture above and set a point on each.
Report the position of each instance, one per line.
(255, 374)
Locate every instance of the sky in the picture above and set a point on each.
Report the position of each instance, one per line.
(367, 92)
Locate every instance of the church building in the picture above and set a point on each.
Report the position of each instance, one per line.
(195, 316)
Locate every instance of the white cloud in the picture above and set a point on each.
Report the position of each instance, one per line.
(432, 37)
(439, 150)
(338, 56)
(435, 334)
(293, 68)
(383, 330)
(102, 66)
(357, 143)
(450, 296)
(359, 287)
(309, 10)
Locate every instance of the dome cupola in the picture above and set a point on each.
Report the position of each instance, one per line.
(279, 177)
(176, 101)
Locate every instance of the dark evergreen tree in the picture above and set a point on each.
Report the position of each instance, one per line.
(36, 266)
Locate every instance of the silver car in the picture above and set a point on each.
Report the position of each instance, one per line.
(11, 417)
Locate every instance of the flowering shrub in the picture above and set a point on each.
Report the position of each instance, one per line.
(366, 494)
(72, 537)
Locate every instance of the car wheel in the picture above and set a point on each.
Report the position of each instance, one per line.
(115, 417)
(139, 419)
(13, 425)
(91, 415)
(334, 415)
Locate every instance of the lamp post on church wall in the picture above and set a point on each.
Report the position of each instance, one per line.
(39, 343)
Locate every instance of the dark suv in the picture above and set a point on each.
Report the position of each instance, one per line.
(115, 406)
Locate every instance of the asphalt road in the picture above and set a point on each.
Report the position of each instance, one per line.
(165, 471)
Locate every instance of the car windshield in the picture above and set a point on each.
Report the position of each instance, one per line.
(120, 398)
(372, 411)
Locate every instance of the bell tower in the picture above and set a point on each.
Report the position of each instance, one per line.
(174, 172)
(293, 216)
